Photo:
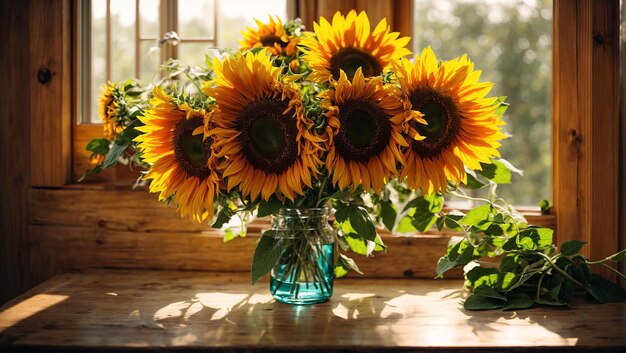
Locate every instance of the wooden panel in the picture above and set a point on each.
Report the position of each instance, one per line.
(377, 10)
(112, 227)
(50, 39)
(108, 207)
(586, 112)
(140, 311)
(403, 18)
(59, 248)
(327, 8)
(137, 211)
(14, 149)
(307, 11)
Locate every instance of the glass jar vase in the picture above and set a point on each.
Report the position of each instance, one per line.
(305, 271)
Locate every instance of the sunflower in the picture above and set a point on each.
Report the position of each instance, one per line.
(172, 141)
(365, 123)
(271, 35)
(462, 127)
(348, 44)
(108, 109)
(261, 129)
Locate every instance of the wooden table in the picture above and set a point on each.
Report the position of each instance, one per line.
(119, 310)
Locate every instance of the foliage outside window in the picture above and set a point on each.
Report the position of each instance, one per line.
(511, 42)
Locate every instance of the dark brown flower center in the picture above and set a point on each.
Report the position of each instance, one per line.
(271, 39)
(268, 136)
(365, 130)
(350, 60)
(190, 151)
(444, 121)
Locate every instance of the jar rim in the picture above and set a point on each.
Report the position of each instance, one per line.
(325, 210)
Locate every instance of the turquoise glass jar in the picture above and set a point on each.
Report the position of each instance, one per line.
(305, 271)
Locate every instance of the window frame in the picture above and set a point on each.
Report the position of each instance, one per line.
(585, 135)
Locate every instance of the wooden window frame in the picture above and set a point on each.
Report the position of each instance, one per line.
(104, 225)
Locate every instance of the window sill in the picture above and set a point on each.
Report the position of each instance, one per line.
(122, 310)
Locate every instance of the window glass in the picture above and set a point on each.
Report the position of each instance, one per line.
(236, 15)
(511, 42)
(138, 54)
(196, 18)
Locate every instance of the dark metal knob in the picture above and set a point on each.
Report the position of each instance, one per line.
(44, 76)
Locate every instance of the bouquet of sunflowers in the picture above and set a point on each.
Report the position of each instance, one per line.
(338, 120)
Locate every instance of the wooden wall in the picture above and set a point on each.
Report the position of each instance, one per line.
(14, 148)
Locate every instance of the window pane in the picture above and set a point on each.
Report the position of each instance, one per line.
(193, 54)
(98, 56)
(511, 42)
(234, 16)
(149, 61)
(196, 18)
(122, 40)
(149, 18)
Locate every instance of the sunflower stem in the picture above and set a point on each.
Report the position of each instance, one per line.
(319, 194)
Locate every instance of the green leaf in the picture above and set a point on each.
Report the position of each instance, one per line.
(511, 263)
(618, 256)
(545, 206)
(486, 291)
(223, 217)
(341, 269)
(502, 105)
(346, 263)
(571, 247)
(479, 302)
(266, 255)
(472, 181)
(521, 280)
(229, 235)
(506, 280)
(357, 245)
(359, 221)
(534, 238)
(422, 221)
(476, 215)
(98, 146)
(270, 207)
(496, 172)
(519, 302)
(452, 221)
(478, 276)
(388, 213)
(405, 225)
(579, 270)
(114, 155)
(443, 265)
(510, 166)
(478, 272)
(543, 301)
(605, 291)
(458, 255)
(432, 203)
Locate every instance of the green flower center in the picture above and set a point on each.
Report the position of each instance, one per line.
(190, 151)
(350, 60)
(268, 136)
(444, 121)
(365, 130)
(360, 129)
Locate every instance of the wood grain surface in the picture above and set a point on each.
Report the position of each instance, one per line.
(119, 310)
(51, 120)
(585, 124)
(15, 165)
